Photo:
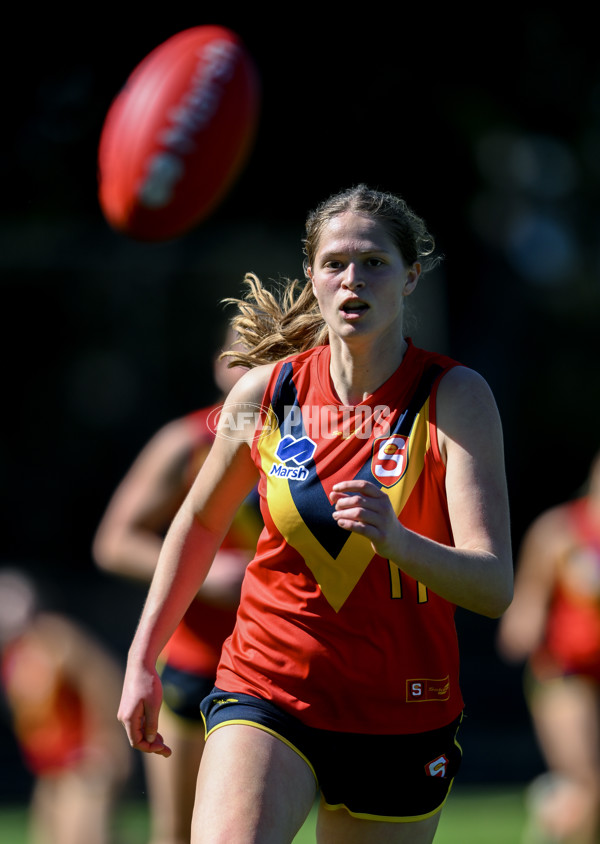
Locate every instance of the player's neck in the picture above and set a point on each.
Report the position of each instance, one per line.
(356, 374)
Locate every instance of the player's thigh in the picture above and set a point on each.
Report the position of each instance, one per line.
(252, 787)
(172, 782)
(565, 713)
(186, 739)
(339, 827)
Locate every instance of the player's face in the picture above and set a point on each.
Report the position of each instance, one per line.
(359, 277)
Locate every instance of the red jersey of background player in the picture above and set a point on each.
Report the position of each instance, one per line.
(572, 637)
(195, 646)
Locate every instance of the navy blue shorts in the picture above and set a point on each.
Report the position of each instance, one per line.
(392, 778)
(183, 691)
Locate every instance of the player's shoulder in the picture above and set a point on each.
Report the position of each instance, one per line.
(458, 379)
(552, 523)
(464, 394)
(173, 437)
(252, 385)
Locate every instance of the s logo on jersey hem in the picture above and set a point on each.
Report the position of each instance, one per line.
(426, 690)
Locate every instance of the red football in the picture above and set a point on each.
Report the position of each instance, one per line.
(177, 135)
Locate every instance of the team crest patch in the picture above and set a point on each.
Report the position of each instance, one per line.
(438, 767)
(390, 459)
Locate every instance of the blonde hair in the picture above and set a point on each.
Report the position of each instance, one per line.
(272, 327)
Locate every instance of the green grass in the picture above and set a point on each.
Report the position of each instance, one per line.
(482, 816)
(471, 816)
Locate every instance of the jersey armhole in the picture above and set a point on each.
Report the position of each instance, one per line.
(266, 409)
(433, 429)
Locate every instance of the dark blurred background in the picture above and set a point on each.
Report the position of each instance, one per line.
(491, 131)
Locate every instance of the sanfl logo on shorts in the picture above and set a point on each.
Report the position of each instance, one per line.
(437, 767)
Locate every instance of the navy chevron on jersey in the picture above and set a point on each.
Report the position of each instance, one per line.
(327, 629)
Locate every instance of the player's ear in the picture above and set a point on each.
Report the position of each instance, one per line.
(412, 278)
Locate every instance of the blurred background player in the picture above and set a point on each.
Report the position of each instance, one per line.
(128, 542)
(554, 624)
(62, 688)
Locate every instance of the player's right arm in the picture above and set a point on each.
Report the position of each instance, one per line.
(196, 533)
(522, 627)
(129, 537)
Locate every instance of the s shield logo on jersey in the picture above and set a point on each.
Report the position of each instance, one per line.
(390, 459)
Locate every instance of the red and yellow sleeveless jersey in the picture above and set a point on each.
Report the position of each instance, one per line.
(326, 629)
(572, 638)
(47, 711)
(195, 646)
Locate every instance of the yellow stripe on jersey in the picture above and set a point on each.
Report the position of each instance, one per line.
(337, 576)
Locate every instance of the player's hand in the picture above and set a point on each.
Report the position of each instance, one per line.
(139, 708)
(363, 508)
